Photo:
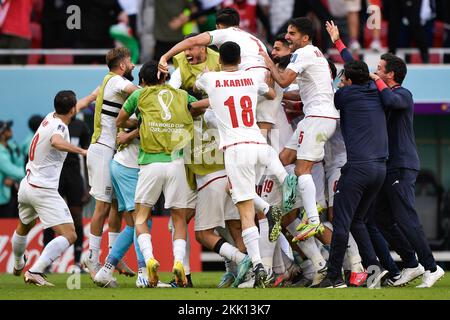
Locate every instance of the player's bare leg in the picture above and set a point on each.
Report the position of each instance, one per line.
(179, 244)
(145, 242)
(307, 190)
(19, 244)
(250, 235)
(53, 250)
(92, 260)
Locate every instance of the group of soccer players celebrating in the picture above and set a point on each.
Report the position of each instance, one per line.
(220, 141)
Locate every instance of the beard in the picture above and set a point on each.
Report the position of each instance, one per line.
(128, 75)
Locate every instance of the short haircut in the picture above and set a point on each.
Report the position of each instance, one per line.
(284, 61)
(230, 53)
(64, 101)
(303, 25)
(149, 73)
(281, 38)
(115, 56)
(332, 68)
(34, 122)
(357, 71)
(228, 17)
(395, 64)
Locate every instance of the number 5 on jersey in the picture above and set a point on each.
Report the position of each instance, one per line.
(247, 111)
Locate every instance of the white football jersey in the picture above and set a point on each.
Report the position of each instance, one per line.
(250, 45)
(282, 130)
(114, 92)
(45, 162)
(233, 97)
(128, 156)
(314, 81)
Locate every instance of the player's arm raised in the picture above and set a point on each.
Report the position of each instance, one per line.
(284, 78)
(83, 103)
(203, 39)
(60, 144)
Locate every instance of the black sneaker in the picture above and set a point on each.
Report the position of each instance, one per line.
(332, 283)
(347, 275)
(189, 281)
(390, 280)
(274, 220)
(260, 276)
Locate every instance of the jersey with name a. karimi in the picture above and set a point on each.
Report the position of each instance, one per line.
(233, 98)
(314, 81)
(45, 162)
(250, 46)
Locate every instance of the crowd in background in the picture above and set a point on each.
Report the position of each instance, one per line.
(150, 27)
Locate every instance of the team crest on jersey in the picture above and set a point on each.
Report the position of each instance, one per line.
(61, 128)
(165, 98)
(294, 57)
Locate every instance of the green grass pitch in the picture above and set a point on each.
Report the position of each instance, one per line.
(14, 288)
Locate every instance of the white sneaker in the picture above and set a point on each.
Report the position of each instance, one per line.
(163, 285)
(92, 266)
(104, 278)
(142, 278)
(429, 278)
(408, 275)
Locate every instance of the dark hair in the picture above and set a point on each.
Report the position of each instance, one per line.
(284, 61)
(115, 56)
(228, 17)
(34, 122)
(332, 68)
(357, 71)
(395, 64)
(303, 25)
(281, 37)
(149, 73)
(230, 53)
(64, 101)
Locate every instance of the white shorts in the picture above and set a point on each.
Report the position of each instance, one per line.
(47, 204)
(211, 214)
(168, 178)
(271, 190)
(98, 161)
(310, 136)
(245, 164)
(266, 110)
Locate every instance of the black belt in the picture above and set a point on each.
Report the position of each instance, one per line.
(112, 104)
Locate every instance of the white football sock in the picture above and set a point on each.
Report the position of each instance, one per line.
(352, 257)
(278, 263)
(266, 247)
(51, 252)
(231, 253)
(251, 238)
(94, 247)
(292, 227)
(261, 205)
(145, 244)
(112, 237)
(179, 250)
(19, 244)
(307, 190)
(312, 251)
(285, 246)
(308, 269)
